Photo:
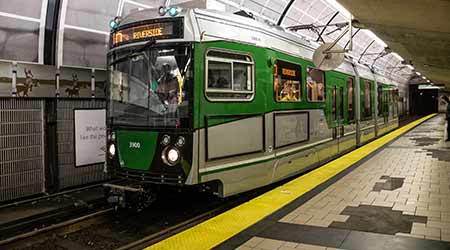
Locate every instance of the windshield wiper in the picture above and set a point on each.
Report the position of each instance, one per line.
(134, 52)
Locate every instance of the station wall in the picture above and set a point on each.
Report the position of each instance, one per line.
(52, 61)
(37, 146)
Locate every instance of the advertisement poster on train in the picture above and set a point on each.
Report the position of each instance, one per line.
(291, 128)
(5, 79)
(34, 80)
(90, 136)
(75, 82)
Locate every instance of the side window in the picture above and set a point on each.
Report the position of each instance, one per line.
(367, 99)
(350, 90)
(341, 103)
(380, 99)
(229, 76)
(396, 100)
(287, 81)
(385, 102)
(333, 103)
(315, 85)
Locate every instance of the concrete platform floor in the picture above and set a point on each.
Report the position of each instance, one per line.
(397, 199)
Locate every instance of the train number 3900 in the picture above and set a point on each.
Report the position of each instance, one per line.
(135, 145)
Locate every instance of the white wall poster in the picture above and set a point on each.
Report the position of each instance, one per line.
(90, 136)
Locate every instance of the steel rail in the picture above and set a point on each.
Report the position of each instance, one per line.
(54, 226)
(53, 195)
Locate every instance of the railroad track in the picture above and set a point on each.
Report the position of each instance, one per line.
(31, 217)
(53, 217)
(49, 196)
(107, 229)
(90, 224)
(172, 230)
(46, 229)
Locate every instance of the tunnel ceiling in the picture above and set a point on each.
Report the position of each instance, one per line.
(418, 30)
(317, 13)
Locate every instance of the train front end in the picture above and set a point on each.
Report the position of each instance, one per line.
(149, 110)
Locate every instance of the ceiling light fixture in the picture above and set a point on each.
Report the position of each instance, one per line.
(398, 56)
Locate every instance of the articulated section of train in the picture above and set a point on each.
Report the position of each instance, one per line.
(228, 104)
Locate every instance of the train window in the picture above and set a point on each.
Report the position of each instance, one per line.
(385, 102)
(367, 99)
(350, 89)
(240, 80)
(341, 102)
(229, 76)
(380, 100)
(315, 85)
(219, 75)
(333, 103)
(287, 81)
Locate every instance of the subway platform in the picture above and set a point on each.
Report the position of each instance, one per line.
(393, 193)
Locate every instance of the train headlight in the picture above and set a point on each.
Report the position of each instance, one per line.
(112, 150)
(180, 141)
(171, 156)
(165, 140)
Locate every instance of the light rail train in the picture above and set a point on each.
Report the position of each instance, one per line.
(228, 104)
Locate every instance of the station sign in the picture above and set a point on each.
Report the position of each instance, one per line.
(153, 29)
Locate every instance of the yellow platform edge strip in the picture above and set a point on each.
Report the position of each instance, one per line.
(216, 230)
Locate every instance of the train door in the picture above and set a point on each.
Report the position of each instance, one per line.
(337, 89)
(385, 106)
(334, 117)
(381, 109)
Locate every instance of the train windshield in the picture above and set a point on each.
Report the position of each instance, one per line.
(150, 88)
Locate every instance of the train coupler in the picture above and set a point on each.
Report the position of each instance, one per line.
(131, 197)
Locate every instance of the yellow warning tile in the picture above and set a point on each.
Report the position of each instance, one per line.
(216, 230)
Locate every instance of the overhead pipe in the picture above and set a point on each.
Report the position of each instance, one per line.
(326, 25)
(285, 11)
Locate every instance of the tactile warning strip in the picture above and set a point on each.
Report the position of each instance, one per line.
(216, 230)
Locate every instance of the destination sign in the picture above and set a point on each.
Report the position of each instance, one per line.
(156, 30)
(288, 72)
